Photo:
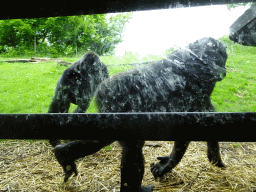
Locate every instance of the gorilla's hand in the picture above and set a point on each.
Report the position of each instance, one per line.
(66, 161)
(69, 169)
(162, 167)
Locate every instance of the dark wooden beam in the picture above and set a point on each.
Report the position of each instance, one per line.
(118, 126)
(28, 9)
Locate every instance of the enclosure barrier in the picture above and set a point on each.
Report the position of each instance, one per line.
(159, 126)
(109, 6)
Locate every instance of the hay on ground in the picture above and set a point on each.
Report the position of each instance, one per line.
(31, 166)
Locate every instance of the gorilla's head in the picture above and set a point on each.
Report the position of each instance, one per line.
(203, 59)
(210, 51)
(90, 64)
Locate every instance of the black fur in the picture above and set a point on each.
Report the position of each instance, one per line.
(77, 85)
(182, 82)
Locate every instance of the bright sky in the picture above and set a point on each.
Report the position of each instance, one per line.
(155, 31)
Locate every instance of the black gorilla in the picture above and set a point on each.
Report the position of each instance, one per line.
(77, 85)
(243, 30)
(181, 83)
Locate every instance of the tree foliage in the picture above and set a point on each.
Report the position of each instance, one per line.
(233, 6)
(65, 35)
(109, 33)
(13, 32)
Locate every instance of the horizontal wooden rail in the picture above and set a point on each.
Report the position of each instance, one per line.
(109, 6)
(119, 126)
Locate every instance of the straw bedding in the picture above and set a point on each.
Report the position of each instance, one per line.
(31, 166)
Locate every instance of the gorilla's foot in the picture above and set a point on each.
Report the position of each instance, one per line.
(161, 168)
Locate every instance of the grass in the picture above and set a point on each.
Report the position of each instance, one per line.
(29, 87)
(237, 91)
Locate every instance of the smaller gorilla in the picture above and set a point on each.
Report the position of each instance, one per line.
(183, 82)
(77, 85)
(243, 30)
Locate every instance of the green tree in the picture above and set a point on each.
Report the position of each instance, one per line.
(58, 29)
(109, 33)
(93, 37)
(86, 32)
(233, 6)
(14, 32)
(38, 32)
(71, 32)
(38, 29)
(65, 34)
(22, 33)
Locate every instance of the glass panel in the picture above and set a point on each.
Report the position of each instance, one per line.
(161, 61)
